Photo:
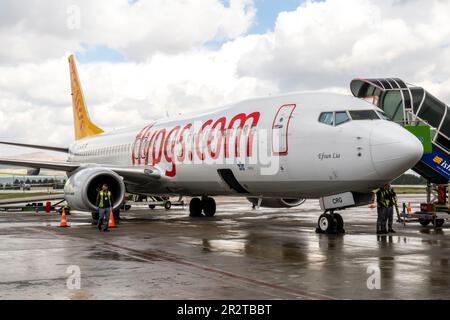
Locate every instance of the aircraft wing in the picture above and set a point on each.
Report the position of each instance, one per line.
(35, 146)
(130, 174)
(50, 165)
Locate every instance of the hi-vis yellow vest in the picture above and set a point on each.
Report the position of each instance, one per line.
(100, 205)
(392, 197)
(383, 198)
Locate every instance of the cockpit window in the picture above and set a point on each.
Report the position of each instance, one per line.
(341, 117)
(327, 118)
(364, 115)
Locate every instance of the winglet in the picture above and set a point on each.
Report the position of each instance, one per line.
(84, 127)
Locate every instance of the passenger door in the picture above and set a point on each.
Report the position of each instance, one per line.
(280, 129)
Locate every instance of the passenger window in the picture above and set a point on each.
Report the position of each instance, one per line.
(326, 118)
(341, 117)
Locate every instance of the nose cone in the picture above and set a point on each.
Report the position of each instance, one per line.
(394, 150)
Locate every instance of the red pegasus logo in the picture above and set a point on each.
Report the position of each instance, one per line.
(153, 146)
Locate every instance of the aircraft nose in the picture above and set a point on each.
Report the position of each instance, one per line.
(394, 150)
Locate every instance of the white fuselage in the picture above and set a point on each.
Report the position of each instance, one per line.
(297, 156)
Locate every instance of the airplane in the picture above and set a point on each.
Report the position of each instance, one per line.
(275, 151)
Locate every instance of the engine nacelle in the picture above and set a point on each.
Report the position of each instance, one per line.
(277, 202)
(82, 188)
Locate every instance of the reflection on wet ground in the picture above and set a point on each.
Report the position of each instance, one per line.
(239, 254)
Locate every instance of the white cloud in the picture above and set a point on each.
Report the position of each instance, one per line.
(121, 94)
(41, 29)
(26, 121)
(319, 46)
(327, 43)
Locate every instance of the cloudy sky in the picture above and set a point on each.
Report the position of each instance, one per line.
(140, 60)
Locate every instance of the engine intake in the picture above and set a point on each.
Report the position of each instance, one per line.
(82, 188)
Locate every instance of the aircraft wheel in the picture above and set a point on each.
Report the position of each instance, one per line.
(167, 205)
(439, 223)
(339, 222)
(209, 206)
(424, 222)
(325, 223)
(195, 207)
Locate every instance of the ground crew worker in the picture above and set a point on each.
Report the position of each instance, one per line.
(392, 199)
(104, 206)
(382, 207)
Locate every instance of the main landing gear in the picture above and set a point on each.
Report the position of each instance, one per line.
(207, 205)
(330, 223)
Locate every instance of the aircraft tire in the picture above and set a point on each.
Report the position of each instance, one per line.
(325, 223)
(209, 206)
(167, 205)
(339, 222)
(195, 207)
(439, 223)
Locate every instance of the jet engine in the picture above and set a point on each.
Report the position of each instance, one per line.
(277, 202)
(82, 188)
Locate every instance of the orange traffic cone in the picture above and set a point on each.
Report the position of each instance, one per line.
(112, 223)
(63, 223)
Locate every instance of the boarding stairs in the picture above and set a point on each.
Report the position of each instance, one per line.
(416, 109)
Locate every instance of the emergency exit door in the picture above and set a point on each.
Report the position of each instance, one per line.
(280, 129)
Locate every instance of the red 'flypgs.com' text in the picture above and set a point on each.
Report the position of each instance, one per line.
(196, 142)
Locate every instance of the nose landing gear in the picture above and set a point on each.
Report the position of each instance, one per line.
(330, 223)
(207, 205)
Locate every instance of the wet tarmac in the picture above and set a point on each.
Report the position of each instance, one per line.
(239, 254)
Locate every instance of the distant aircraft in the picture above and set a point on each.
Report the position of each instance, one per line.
(274, 151)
